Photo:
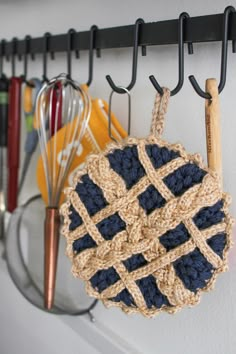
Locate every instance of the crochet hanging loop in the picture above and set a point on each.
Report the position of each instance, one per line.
(159, 112)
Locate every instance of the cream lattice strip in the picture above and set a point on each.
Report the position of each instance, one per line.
(152, 174)
(130, 285)
(200, 242)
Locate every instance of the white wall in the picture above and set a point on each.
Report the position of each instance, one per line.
(25, 329)
(209, 327)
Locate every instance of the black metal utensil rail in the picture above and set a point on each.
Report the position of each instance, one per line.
(196, 29)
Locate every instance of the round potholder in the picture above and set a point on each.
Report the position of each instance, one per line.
(147, 224)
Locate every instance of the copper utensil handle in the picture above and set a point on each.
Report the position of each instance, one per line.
(51, 243)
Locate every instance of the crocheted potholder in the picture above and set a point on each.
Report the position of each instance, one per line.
(147, 224)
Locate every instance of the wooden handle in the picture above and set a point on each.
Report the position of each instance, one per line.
(213, 128)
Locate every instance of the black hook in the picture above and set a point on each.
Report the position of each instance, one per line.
(47, 37)
(2, 53)
(70, 35)
(26, 53)
(14, 51)
(19, 56)
(179, 85)
(224, 52)
(92, 42)
(117, 89)
(14, 43)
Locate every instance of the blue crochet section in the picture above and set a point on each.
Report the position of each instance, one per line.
(75, 219)
(218, 243)
(110, 226)
(104, 278)
(151, 293)
(83, 243)
(151, 199)
(184, 178)
(174, 238)
(194, 270)
(159, 156)
(91, 195)
(125, 297)
(135, 262)
(126, 163)
(209, 216)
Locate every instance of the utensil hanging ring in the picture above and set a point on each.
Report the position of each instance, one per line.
(125, 90)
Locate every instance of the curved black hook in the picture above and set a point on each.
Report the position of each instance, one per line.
(2, 53)
(224, 52)
(13, 56)
(179, 85)
(14, 43)
(117, 89)
(70, 35)
(92, 41)
(47, 37)
(26, 53)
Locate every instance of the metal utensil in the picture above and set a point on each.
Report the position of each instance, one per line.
(75, 106)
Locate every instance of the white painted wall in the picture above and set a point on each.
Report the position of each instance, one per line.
(209, 327)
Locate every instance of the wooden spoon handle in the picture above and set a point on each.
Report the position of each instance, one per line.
(213, 128)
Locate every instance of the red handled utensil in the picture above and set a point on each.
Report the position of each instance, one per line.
(3, 149)
(13, 152)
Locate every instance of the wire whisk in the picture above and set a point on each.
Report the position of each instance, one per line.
(60, 103)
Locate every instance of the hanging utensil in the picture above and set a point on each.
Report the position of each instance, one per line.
(95, 138)
(56, 108)
(213, 128)
(75, 105)
(13, 141)
(30, 95)
(14, 117)
(3, 139)
(3, 149)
